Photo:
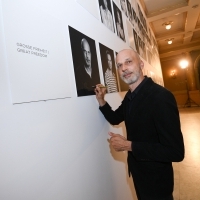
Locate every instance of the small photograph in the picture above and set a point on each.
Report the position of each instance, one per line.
(142, 44)
(106, 14)
(122, 85)
(136, 41)
(130, 34)
(141, 52)
(85, 62)
(109, 70)
(129, 9)
(140, 13)
(134, 18)
(123, 7)
(118, 22)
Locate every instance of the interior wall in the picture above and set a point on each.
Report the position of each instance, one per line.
(58, 149)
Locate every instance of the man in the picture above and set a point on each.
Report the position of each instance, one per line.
(86, 75)
(110, 78)
(154, 139)
(106, 16)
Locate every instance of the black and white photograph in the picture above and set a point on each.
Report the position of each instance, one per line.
(143, 47)
(123, 7)
(109, 70)
(122, 85)
(129, 10)
(85, 62)
(130, 34)
(136, 41)
(119, 22)
(106, 14)
(134, 17)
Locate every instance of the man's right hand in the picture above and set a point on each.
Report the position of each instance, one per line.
(100, 93)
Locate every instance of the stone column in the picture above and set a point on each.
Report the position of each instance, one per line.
(190, 73)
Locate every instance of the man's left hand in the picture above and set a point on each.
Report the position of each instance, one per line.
(119, 143)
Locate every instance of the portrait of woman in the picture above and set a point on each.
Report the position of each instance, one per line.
(106, 14)
(118, 22)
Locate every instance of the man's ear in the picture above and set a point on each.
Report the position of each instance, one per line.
(141, 64)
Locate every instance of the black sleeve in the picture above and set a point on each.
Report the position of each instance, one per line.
(167, 125)
(114, 117)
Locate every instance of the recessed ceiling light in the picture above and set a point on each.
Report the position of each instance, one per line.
(168, 25)
(169, 41)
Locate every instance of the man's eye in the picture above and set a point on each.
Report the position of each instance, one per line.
(118, 66)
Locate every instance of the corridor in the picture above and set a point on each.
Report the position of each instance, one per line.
(187, 172)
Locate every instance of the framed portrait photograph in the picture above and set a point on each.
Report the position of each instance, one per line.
(123, 7)
(109, 69)
(122, 85)
(119, 22)
(106, 14)
(85, 62)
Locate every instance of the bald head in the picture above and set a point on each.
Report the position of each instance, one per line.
(86, 52)
(128, 52)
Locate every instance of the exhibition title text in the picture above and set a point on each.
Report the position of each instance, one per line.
(28, 49)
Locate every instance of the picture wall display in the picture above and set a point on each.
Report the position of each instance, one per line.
(85, 62)
(109, 70)
(119, 22)
(106, 14)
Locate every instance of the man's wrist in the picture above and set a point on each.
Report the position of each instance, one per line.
(129, 145)
(102, 102)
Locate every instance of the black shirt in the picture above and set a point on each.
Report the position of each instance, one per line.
(130, 95)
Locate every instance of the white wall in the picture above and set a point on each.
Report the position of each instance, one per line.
(58, 149)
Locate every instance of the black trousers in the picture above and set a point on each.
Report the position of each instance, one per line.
(141, 197)
(144, 197)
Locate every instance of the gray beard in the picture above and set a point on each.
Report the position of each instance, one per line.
(132, 79)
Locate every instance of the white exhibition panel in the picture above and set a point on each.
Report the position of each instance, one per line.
(36, 53)
(57, 149)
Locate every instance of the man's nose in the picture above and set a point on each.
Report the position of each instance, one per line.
(123, 67)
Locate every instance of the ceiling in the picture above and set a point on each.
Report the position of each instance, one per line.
(185, 30)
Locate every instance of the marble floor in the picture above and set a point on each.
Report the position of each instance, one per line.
(187, 172)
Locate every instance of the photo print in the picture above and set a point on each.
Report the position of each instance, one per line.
(119, 22)
(130, 34)
(122, 85)
(109, 69)
(106, 14)
(134, 18)
(129, 10)
(85, 62)
(123, 7)
(143, 47)
(136, 41)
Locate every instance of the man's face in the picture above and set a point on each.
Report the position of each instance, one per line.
(86, 53)
(109, 61)
(105, 3)
(129, 66)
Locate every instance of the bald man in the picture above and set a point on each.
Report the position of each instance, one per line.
(86, 75)
(154, 138)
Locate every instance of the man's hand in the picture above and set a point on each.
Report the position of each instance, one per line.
(119, 143)
(100, 93)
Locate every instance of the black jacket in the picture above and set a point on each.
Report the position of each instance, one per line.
(153, 126)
